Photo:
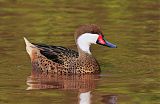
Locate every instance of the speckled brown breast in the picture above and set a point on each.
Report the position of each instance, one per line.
(57, 59)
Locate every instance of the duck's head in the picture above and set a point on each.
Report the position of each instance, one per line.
(86, 35)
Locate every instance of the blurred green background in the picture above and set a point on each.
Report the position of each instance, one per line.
(130, 72)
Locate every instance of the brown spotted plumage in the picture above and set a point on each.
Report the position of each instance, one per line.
(61, 60)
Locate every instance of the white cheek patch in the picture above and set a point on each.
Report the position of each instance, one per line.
(85, 40)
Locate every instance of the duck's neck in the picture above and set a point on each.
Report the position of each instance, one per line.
(84, 51)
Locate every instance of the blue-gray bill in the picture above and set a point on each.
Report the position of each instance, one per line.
(108, 44)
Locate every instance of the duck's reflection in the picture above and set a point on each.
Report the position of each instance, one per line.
(85, 97)
(109, 99)
(84, 84)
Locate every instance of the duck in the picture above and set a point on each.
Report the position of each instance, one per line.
(62, 60)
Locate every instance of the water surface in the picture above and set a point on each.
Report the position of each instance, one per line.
(130, 73)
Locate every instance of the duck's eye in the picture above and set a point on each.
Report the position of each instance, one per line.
(102, 35)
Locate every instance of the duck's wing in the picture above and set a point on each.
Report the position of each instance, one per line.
(57, 54)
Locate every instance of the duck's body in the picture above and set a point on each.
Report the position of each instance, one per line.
(58, 59)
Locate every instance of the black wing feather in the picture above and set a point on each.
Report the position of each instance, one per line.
(56, 53)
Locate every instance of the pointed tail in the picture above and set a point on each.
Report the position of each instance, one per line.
(29, 46)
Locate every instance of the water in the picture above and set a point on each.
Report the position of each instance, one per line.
(130, 74)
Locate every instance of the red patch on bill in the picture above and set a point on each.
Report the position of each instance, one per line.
(101, 40)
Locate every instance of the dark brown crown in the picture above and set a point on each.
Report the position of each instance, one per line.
(88, 28)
